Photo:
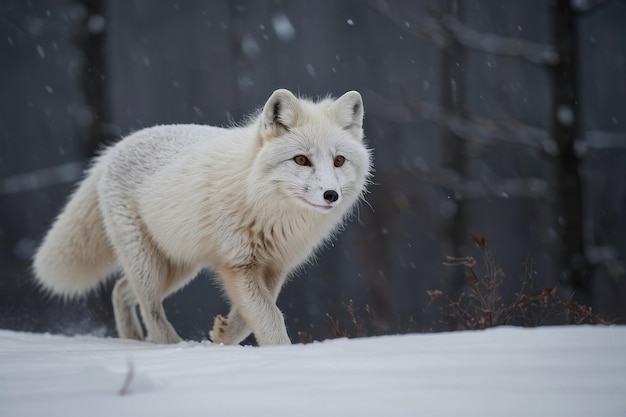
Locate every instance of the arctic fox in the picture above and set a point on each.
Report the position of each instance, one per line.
(250, 202)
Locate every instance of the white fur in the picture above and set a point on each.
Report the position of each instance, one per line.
(168, 201)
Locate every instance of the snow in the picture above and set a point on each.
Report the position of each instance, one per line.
(283, 27)
(96, 23)
(565, 115)
(249, 46)
(556, 371)
(41, 52)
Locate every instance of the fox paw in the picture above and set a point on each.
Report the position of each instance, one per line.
(218, 334)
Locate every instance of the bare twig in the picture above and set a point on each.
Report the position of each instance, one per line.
(305, 337)
(417, 25)
(467, 261)
(442, 29)
(482, 131)
(130, 373)
(583, 6)
(499, 45)
(356, 320)
(337, 332)
(478, 130)
(42, 178)
(509, 188)
(599, 140)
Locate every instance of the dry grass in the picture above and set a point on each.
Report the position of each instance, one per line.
(480, 305)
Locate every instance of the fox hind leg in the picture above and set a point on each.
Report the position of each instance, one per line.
(149, 282)
(147, 272)
(145, 283)
(124, 306)
(148, 288)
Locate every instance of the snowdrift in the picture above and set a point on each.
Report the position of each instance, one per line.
(555, 371)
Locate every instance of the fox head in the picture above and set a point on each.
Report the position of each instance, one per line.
(312, 153)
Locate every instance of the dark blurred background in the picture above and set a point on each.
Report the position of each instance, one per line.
(505, 119)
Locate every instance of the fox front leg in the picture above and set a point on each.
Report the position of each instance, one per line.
(230, 330)
(256, 304)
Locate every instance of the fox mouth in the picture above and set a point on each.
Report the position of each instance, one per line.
(323, 207)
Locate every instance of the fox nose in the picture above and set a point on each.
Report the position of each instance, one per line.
(331, 196)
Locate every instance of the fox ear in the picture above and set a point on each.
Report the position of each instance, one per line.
(348, 111)
(280, 114)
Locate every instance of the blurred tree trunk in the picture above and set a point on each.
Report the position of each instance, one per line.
(237, 24)
(565, 131)
(94, 116)
(454, 154)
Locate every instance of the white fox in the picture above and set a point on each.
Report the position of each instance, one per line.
(251, 203)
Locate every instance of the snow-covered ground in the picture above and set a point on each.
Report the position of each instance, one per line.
(556, 371)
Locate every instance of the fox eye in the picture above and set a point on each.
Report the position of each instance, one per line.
(339, 161)
(302, 160)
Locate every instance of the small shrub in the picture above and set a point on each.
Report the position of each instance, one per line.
(480, 304)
